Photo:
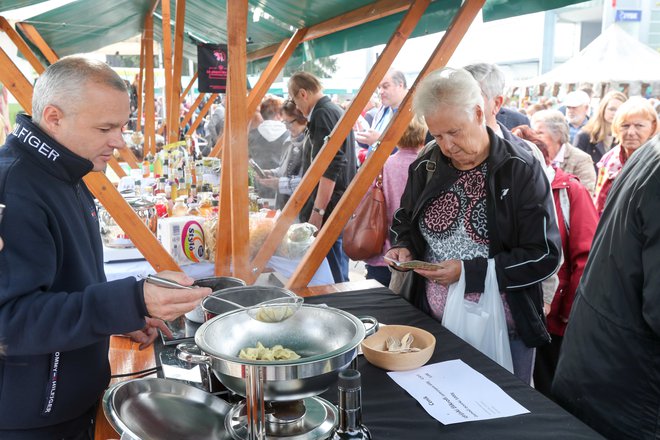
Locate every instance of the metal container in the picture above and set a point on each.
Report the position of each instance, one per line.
(217, 284)
(113, 235)
(327, 340)
(245, 296)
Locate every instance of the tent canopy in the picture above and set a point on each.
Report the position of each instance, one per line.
(87, 25)
(613, 57)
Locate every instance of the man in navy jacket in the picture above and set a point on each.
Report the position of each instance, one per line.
(57, 311)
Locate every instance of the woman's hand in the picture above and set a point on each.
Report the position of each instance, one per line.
(447, 273)
(399, 254)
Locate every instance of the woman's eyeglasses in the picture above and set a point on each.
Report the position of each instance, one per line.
(288, 124)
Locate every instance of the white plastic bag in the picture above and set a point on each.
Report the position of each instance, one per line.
(481, 324)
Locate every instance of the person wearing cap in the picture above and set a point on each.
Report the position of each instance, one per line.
(577, 112)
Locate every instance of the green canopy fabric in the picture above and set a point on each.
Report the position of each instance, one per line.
(87, 25)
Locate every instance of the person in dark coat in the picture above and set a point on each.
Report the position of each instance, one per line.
(57, 310)
(609, 367)
(306, 91)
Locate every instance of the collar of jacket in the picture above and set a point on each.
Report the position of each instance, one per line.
(49, 154)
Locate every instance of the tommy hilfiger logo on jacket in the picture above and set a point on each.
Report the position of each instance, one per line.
(32, 139)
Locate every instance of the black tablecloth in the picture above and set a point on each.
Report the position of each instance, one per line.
(391, 413)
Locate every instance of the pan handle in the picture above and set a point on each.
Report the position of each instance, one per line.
(191, 353)
(369, 329)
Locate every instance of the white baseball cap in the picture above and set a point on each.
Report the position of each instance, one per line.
(576, 99)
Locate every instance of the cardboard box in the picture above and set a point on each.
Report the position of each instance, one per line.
(182, 238)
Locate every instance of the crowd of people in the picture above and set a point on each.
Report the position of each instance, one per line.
(562, 203)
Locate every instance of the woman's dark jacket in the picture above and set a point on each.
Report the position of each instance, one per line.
(596, 151)
(523, 234)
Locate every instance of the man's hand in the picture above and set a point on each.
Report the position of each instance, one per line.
(448, 273)
(270, 182)
(368, 137)
(168, 304)
(148, 334)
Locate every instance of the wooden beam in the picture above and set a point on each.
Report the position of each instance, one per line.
(114, 164)
(191, 111)
(337, 137)
(237, 12)
(140, 99)
(349, 201)
(175, 91)
(35, 37)
(224, 232)
(203, 112)
(21, 45)
(267, 77)
(129, 157)
(167, 62)
(15, 81)
(365, 14)
(187, 89)
(131, 224)
(149, 108)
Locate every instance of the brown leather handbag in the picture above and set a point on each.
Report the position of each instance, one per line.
(366, 230)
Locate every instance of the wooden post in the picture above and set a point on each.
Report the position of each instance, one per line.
(337, 137)
(175, 90)
(35, 37)
(149, 109)
(119, 171)
(140, 99)
(21, 45)
(267, 77)
(191, 111)
(187, 89)
(131, 224)
(15, 82)
(329, 233)
(224, 234)
(167, 63)
(237, 11)
(129, 157)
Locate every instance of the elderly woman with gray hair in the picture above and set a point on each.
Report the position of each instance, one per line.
(472, 198)
(552, 128)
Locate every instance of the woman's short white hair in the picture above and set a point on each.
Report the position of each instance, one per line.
(555, 124)
(63, 83)
(450, 87)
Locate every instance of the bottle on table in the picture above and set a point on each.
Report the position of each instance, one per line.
(350, 407)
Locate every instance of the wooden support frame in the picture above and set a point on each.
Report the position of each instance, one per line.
(140, 89)
(224, 232)
(177, 65)
(191, 111)
(15, 82)
(182, 99)
(337, 137)
(370, 168)
(21, 45)
(267, 77)
(149, 107)
(365, 14)
(114, 164)
(35, 37)
(237, 12)
(203, 112)
(167, 61)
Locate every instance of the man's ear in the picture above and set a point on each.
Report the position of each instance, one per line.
(498, 101)
(51, 118)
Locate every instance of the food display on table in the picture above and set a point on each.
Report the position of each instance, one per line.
(261, 353)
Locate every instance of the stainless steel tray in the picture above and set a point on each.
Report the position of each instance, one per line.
(147, 409)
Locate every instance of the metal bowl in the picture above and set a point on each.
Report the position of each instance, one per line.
(246, 296)
(327, 340)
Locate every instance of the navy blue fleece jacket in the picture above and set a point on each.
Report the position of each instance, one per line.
(56, 309)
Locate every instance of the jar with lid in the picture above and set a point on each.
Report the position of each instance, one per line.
(193, 209)
(179, 209)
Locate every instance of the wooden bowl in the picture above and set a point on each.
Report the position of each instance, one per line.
(375, 350)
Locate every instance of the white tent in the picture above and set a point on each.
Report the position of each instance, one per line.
(613, 57)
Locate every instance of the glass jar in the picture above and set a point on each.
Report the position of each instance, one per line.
(179, 209)
(113, 235)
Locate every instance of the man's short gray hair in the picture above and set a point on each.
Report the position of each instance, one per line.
(398, 77)
(447, 86)
(555, 124)
(64, 82)
(490, 78)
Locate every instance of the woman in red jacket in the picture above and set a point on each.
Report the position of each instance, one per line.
(577, 220)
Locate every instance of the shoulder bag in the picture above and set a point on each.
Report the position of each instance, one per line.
(366, 230)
